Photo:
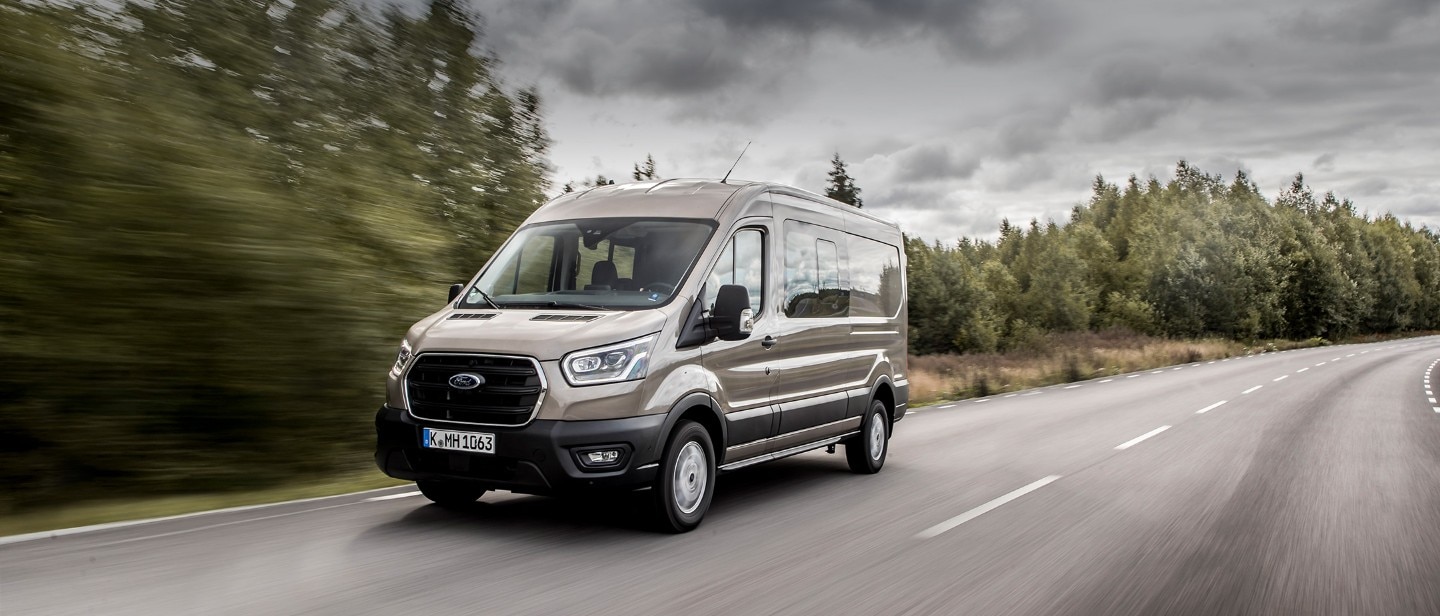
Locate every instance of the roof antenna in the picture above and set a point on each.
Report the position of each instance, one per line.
(737, 161)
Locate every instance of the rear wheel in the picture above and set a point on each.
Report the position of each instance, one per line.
(686, 481)
(449, 493)
(865, 452)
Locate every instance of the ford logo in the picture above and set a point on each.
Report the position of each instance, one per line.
(466, 380)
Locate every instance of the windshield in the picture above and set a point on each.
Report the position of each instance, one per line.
(599, 264)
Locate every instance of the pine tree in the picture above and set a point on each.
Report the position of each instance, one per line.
(646, 170)
(842, 187)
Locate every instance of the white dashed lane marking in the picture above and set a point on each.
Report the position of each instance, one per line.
(1073, 386)
(1279, 378)
(1301, 370)
(1251, 389)
(1211, 407)
(1135, 441)
(935, 530)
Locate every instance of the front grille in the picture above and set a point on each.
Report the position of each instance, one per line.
(509, 397)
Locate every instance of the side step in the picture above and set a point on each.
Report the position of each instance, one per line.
(785, 453)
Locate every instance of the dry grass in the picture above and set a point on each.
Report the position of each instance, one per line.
(1066, 358)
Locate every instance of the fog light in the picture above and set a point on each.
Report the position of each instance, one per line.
(603, 457)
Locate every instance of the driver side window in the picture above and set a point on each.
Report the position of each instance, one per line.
(743, 263)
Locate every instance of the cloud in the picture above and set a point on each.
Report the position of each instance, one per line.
(1366, 22)
(1141, 78)
(969, 28)
(691, 51)
(934, 161)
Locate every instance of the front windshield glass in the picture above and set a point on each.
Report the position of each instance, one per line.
(599, 263)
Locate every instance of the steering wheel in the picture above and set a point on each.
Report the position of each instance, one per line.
(660, 287)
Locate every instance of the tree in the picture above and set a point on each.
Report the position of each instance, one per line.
(646, 170)
(842, 187)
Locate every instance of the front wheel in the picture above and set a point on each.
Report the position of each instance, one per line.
(865, 452)
(449, 493)
(687, 479)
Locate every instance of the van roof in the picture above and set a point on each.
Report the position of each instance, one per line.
(680, 198)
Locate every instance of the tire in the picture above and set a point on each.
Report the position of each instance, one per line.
(450, 494)
(865, 452)
(686, 481)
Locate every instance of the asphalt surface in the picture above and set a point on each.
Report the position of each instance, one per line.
(1318, 493)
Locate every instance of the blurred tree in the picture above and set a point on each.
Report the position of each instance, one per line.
(222, 214)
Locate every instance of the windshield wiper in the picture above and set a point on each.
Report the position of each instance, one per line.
(486, 296)
(555, 304)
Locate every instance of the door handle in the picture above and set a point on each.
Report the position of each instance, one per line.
(768, 341)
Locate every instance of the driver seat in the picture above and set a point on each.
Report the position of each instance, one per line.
(602, 274)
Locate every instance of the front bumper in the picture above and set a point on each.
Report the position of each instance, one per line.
(538, 458)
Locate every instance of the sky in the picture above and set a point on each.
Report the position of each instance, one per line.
(954, 114)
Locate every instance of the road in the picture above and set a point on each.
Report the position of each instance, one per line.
(1313, 489)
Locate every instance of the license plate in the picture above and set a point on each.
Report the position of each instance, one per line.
(477, 442)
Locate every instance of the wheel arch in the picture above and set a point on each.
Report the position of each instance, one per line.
(701, 408)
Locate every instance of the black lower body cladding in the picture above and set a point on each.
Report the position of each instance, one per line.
(538, 458)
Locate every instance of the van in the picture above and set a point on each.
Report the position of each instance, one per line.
(649, 336)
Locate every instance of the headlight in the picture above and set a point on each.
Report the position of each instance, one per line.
(401, 359)
(626, 361)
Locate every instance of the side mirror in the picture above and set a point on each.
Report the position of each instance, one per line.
(455, 290)
(732, 319)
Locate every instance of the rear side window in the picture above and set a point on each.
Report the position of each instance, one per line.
(812, 274)
(875, 284)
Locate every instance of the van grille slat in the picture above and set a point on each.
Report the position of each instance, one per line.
(509, 397)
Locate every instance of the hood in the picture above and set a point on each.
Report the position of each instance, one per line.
(543, 334)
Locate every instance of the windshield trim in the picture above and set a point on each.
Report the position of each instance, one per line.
(684, 280)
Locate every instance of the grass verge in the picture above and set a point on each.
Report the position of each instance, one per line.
(86, 513)
(1065, 358)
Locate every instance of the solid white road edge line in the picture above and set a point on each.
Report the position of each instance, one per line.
(1211, 407)
(1251, 389)
(61, 532)
(935, 530)
(1134, 441)
(392, 496)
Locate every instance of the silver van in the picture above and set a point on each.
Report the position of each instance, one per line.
(649, 336)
